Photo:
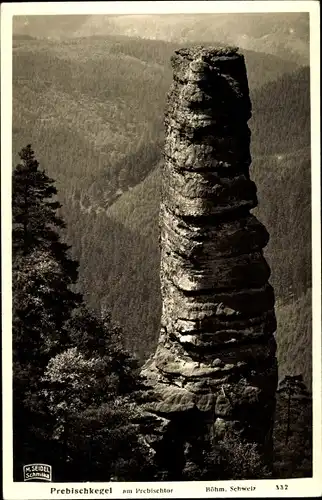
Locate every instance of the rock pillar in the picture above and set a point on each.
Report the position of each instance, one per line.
(214, 368)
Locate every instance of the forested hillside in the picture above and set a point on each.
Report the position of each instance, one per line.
(99, 109)
(77, 393)
(100, 101)
(75, 388)
(131, 229)
(284, 34)
(93, 110)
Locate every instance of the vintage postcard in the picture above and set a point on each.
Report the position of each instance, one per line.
(161, 249)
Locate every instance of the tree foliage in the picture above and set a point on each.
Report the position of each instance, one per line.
(43, 272)
(94, 108)
(94, 412)
(293, 429)
(74, 383)
(228, 458)
(43, 300)
(289, 388)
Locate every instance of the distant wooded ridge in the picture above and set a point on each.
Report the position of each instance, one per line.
(95, 119)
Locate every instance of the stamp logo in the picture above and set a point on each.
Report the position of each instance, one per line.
(37, 472)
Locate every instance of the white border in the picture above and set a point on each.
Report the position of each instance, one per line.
(159, 7)
(265, 488)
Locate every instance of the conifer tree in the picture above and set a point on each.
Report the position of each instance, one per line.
(31, 188)
(43, 273)
(75, 386)
(293, 429)
(290, 387)
(34, 213)
(42, 277)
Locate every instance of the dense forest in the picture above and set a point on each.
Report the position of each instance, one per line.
(92, 108)
(102, 102)
(78, 393)
(91, 98)
(74, 384)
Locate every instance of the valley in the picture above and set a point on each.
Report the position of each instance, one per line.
(92, 108)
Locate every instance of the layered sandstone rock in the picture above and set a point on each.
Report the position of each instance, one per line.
(214, 368)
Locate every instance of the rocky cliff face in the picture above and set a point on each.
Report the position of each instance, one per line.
(214, 368)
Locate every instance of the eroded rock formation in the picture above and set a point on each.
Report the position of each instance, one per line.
(214, 368)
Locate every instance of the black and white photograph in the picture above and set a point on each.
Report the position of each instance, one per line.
(161, 247)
